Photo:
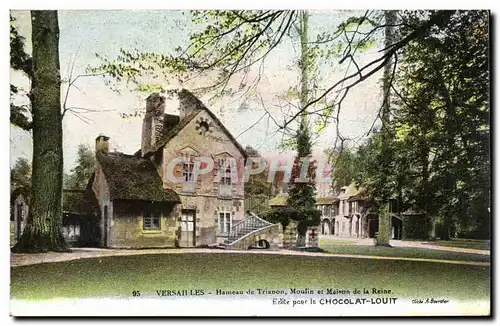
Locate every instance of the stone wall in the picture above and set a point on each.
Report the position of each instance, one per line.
(215, 144)
(312, 236)
(205, 199)
(345, 226)
(126, 229)
(272, 234)
(207, 216)
(290, 236)
(101, 191)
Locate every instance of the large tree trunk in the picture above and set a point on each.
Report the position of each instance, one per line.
(451, 120)
(384, 229)
(43, 229)
(425, 198)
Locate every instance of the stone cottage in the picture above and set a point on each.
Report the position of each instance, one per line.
(135, 210)
(156, 198)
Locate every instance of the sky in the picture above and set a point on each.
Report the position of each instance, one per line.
(83, 33)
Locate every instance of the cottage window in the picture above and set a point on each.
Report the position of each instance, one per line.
(188, 174)
(73, 231)
(225, 187)
(335, 210)
(328, 210)
(151, 220)
(187, 220)
(225, 221)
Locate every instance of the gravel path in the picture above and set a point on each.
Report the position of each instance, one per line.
(414, 244)
(407, 244)
(80, 253)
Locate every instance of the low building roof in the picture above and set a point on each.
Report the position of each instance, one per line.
(133, 178)
(412, 211)
(74, 201)
(326, 200)
(351, 190)
(362, 196)
(15, 193)
(78, 201)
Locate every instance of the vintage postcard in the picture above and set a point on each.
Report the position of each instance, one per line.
(250, 163)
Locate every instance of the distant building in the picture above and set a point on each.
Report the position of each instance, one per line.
(80, 216)
(351, 214)
(347, 215)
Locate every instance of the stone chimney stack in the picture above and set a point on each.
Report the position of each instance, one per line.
(187, 103)
(102, 145)
(152, 125)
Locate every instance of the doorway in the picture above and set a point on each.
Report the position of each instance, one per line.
(397, 228)
(357, 226)
(325, 227)
(372, 227)
(187, 228)
(19, 220)
(105, 227)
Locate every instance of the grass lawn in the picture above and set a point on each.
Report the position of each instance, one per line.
(120, 275)
(402, 252)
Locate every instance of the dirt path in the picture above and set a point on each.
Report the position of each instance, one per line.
(406, 244)
(414, 244)
(80, 253)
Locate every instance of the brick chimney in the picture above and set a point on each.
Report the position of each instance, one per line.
(152, 124)
(102, 144)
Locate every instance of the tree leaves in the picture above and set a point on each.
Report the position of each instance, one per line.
(85, 165)
(21, 61)
(20, 174)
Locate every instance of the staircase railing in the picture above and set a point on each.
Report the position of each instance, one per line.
(251, 223)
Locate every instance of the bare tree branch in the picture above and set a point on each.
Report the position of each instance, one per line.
(439, 18)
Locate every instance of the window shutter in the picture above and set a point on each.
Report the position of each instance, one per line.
(178, 170)
(217, 164)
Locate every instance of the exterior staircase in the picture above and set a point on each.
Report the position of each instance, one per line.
(248, 231)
